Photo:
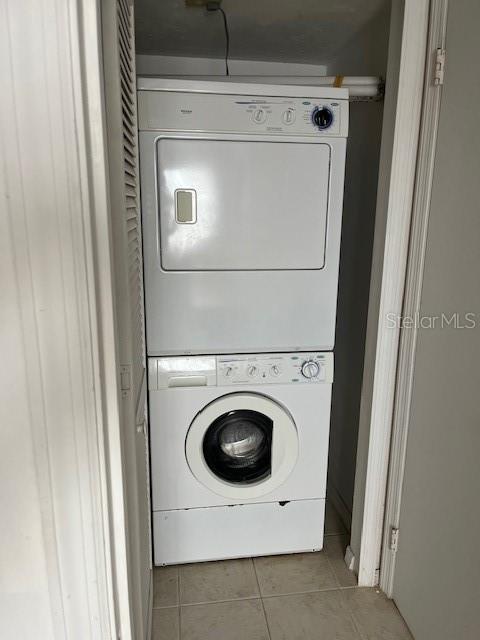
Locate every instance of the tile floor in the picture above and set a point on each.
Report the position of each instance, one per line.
(294, 597)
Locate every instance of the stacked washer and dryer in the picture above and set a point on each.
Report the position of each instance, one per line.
(242, 188)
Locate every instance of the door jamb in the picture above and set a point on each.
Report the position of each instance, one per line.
(391, 245)
(413, 290)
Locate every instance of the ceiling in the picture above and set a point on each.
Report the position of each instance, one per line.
(308, 31)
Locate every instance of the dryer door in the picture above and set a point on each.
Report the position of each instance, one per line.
(232, 205)
(242, 445)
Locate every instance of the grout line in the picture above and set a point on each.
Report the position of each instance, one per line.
(203, 602)
(261, 598)
(356, 626)
(332, 568)
(179, 606)
(258, 597)
(305, 593)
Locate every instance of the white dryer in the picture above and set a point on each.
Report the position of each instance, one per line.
(242, 189)
(239, 448)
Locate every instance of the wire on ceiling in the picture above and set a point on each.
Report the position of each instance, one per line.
(215, 6)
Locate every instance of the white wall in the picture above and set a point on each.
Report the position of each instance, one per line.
(175, 65)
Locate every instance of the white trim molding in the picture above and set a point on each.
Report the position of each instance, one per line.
(93, 151)
(394, 204)
(413, 288)
(349, 558)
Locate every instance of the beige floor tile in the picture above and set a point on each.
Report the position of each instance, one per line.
(311, 616)
(236, 620)
(334, 547)
(216, 581)
(165, 624)
(376, 616)
(295, 573)
(165, 586)
(333, 523)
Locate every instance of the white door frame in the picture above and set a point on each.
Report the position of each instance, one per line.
(93, 152)
(413, 290)
(398, 157)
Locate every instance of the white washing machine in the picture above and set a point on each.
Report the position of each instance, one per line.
(239, 448)
(242, 190)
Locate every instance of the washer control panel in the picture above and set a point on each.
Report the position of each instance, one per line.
(275, 368)
(312, 367)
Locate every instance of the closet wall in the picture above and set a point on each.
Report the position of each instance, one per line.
(365, 54)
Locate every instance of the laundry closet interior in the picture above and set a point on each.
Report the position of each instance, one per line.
(260, 131)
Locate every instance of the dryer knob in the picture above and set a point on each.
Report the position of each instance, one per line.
(259, 116)
(252, 371)
(229, 371)
(322, 117)
(310, 369)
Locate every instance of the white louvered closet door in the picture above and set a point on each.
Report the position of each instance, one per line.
(121, 120)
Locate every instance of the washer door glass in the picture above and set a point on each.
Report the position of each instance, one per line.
(237, 446)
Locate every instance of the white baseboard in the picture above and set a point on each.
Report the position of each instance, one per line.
(350, 559)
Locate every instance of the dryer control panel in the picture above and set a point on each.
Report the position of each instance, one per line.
(275, 368)
(322, 115)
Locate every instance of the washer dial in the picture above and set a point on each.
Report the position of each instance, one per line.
(310, 369)
(275, 370)
(252, 371)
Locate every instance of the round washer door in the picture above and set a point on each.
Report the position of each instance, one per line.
(242, 445)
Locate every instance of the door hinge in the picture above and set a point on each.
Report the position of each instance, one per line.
(394, 539)
(125, 379)
(439, 70)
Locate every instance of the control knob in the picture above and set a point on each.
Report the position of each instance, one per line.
(252, 371)
(310, 369)
(322, 117)
(259, 116)
(289, 116)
